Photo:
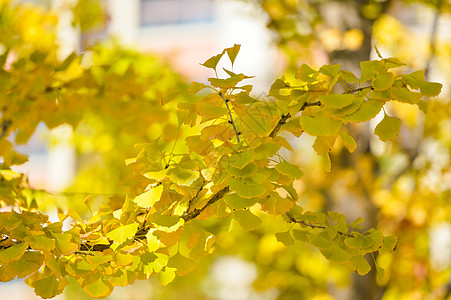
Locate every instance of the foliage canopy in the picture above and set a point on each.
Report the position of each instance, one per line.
(209, 151)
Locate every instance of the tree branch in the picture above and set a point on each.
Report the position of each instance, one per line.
(230, 115)
(217, 196)
(284, 118)
(315, 226)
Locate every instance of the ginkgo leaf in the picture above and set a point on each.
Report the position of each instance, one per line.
(367, 110)
(307, 74)
(149, 198)
(285, 238)
(247, 171)
(166, 223)
(404, 95)
(40, 242)
(233, 52)
(213, 61)
(383, 81)
(330, 70)
(360, 265)
(29, 263)
(336, 100)
(348, 141)
(358, 242)
(123, 233)
(388, 128)
(199, 146)
(320, 240)
(98, 289)
(183, 264)
(228, 83)
(64, 243)
(47, 287)
(123, 278)
(13, 253)
(336, 254)
(237, 202)
(244, 190)
(324, 144)
(320, 125)
(286, 168)
(166, 276)
(247, 220)
(389, 243)
(276, 204)
(241, 159)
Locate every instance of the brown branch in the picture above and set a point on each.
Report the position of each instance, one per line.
(190, 203)
(292, 219)
(284, 118)
(230, 115)
(216, 197)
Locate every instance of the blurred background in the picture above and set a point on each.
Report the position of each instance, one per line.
(402, 187)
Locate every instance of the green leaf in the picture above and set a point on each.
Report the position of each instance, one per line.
(228, 83)
(182, 176)
(307, 74)
(336, 254)
(98, 289)
(336, 100)
(237, 202)
(359, 242)
(98, 259)
(212, 62)
(241, 159)
(196, 87)
(324, 144)
(288, 169)
(13, 253)
(300, 235)
(247, 220)
(370, 68)
(330, 70)
(40, 242)
(10, 220)
(183, 264)
(383, 81)
(285, 238)
(430, 89)
(166, 223)
(320, 125)
(244, 190)
(247, 171)
(149, 198)
(29, 263)
(199, 146)
(320, 240)
(388, 128)
(277, 205)
(402, 94)
(360, 265)
(389, 243)
(233, 52)
(166, 276)
(47, 287)
(123, 233)
(348, 141)
(64, 243)
(367, 111)
(210, 111)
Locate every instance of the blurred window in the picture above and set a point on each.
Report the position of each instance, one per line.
(173, 12)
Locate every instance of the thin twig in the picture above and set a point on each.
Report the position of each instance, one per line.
(315, 226)
(284, 118)
(190, 203)
(231, 118)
